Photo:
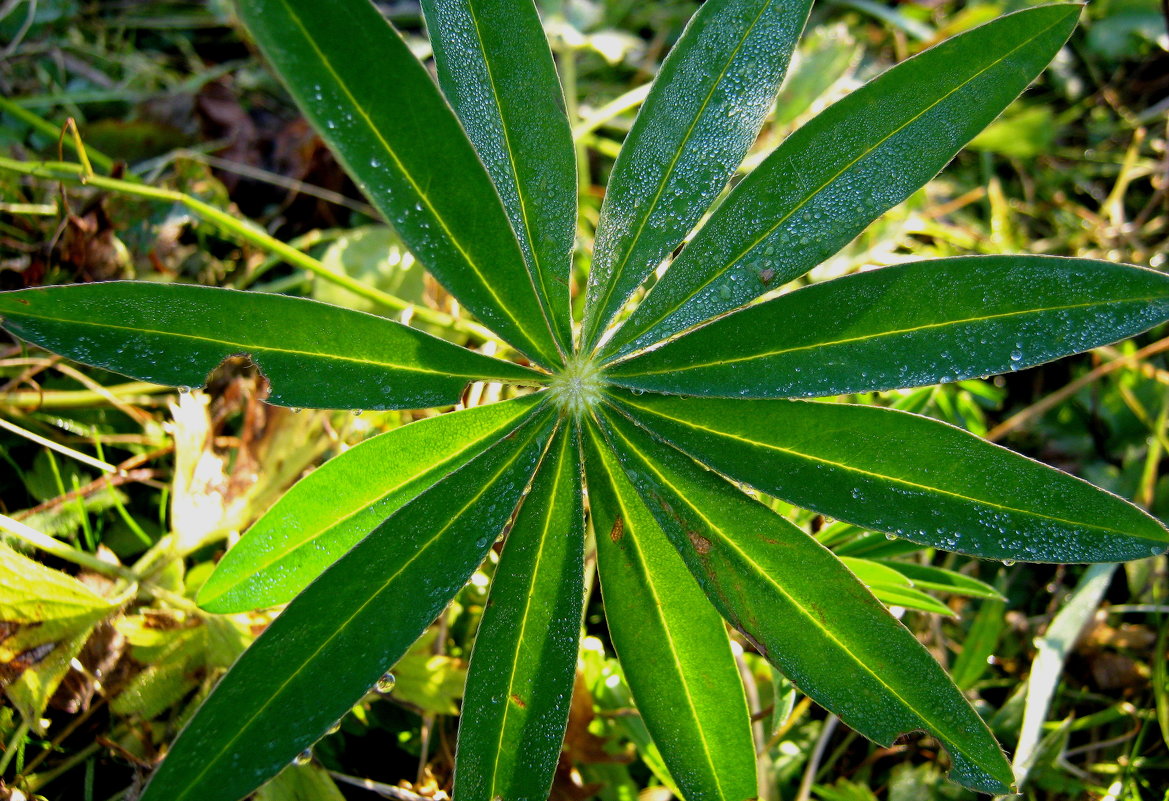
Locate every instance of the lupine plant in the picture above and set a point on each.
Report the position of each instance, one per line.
(670, 424)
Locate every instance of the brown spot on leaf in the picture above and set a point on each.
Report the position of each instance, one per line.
(518, 701)
(618, 530)
(767, 275)
(700, 543)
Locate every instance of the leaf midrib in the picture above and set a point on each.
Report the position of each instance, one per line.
(882, 334)
(252, 349)
(727, 264)
(879, 476)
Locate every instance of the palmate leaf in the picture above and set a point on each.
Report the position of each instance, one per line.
(332, 643)
(702, 114)
(672, 645)
(313, 354)
(522, 667)
(846, 167)
(299, 536)
(805, 611)
(496, 70)
(923, 322)
(911, 476)
(391, 128)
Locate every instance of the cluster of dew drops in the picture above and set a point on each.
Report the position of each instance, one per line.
(384, 686)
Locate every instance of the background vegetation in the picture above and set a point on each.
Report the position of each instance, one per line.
(104, 481)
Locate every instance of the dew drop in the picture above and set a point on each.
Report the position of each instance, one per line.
(184, 389)
(304, 757)
(1008, 562)
(336, 727)
(890, 536)
(358, 412)
(386, 683)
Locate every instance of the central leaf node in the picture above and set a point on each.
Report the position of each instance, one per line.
(577, 388)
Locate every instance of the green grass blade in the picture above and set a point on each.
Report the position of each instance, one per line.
(384, 118)
(332, 508)
(520, 681)
(176, 334)
(912, 324)
(496, 70)
(704, 111)
(842, 170)
(333, 642)
(672, 645)
(805, 611)
(912, 476)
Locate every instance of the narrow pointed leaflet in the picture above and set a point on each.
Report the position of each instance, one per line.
(896, 472)
(843, 169)
(806, 613)
(299, 536)
(908, 325)
(496, 70)
(522, 668)
(672, 645)
(313, 354)
(703, 113)
(384, 118)
(331, 644)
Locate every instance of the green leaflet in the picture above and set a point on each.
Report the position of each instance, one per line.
(299, 536)
(893, 588)
(524, 660)
(918, 478)
(672, 645)
(315, 355)
(495, 68)
(918, 323)
(942, 580)
(404, 146)
(805, 611)
(704, 111)
(839, 172)
(332, 643)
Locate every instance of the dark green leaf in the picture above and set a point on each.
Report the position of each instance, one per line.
(495, 68)
(919, 323)
(384, 118)
(842, 170)
(980, 644)
(315, 355)
(333, 642)
(892, 471)
(522, 668)
(331, 509)
(805, 611)
(672, 645)
(704, 111)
